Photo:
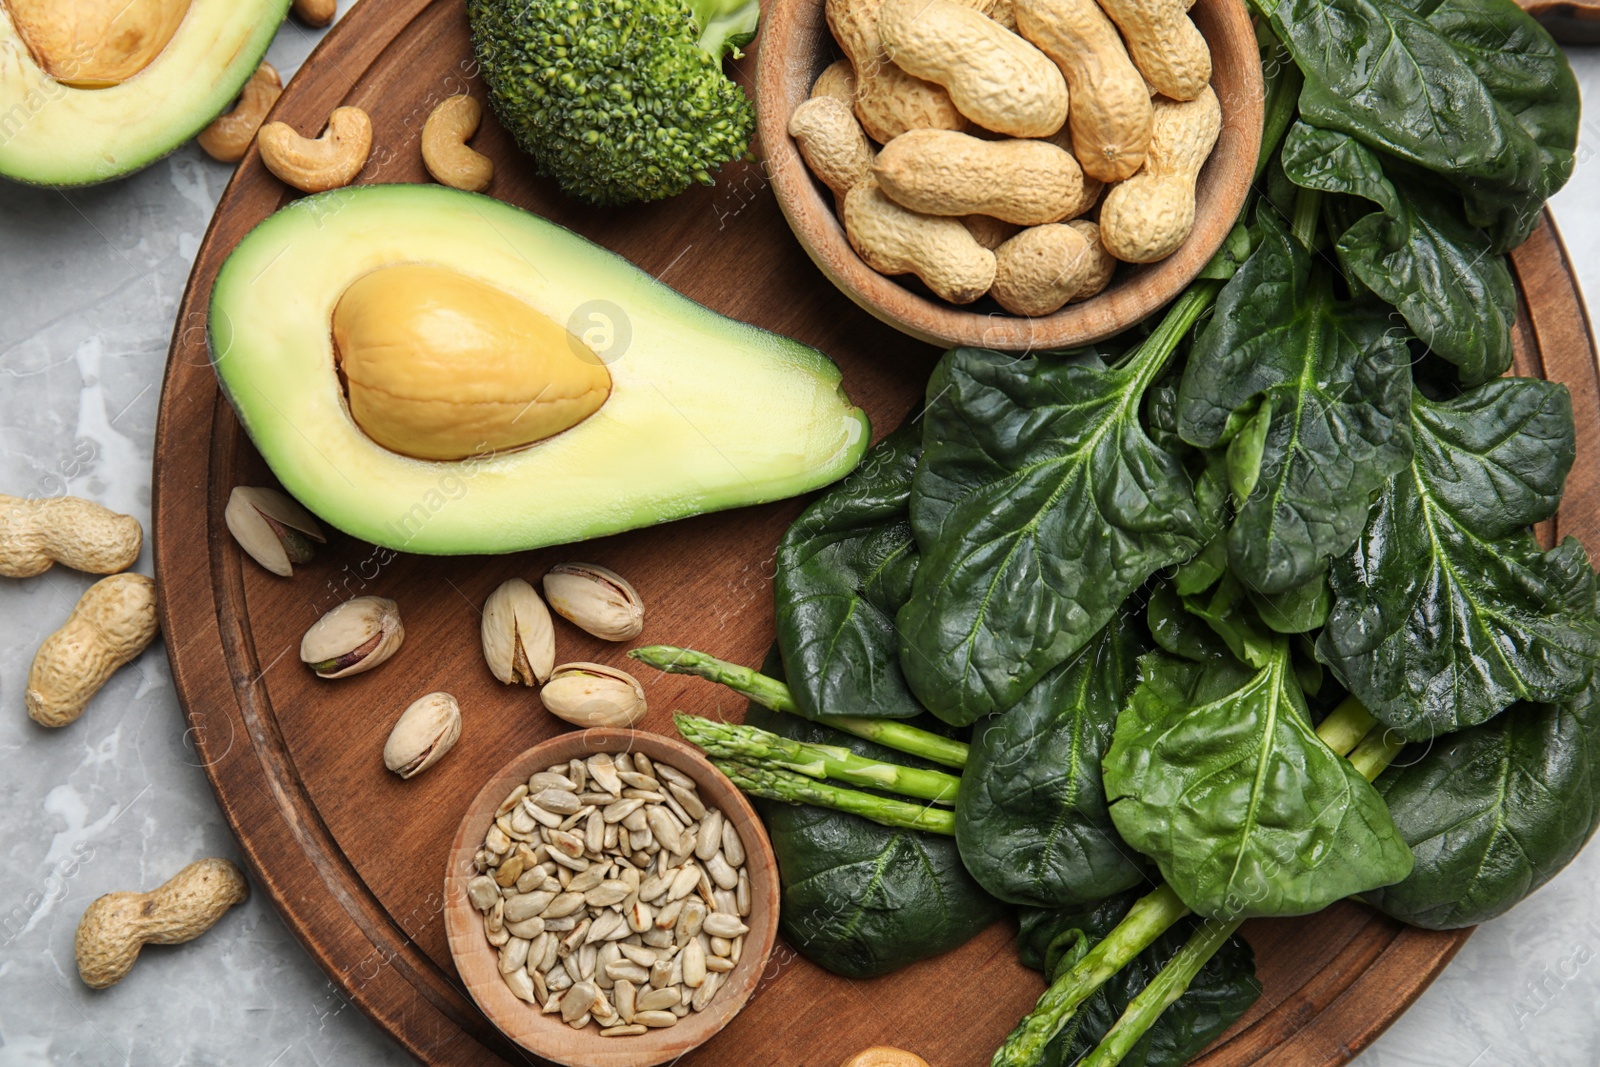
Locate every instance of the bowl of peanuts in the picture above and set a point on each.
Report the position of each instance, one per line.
(1010, 174)
(611, 899)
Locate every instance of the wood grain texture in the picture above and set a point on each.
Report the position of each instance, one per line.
(546, 1035)
(1569, 21)
(351, 855)
(799, 46)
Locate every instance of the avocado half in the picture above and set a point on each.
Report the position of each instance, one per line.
(56, 134)
(705, 412)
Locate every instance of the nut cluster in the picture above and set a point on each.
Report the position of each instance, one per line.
(1004, 125)
(613, 894)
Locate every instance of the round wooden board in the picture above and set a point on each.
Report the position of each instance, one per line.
(351, 855)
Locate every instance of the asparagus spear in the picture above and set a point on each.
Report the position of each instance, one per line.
(761, 748)
(795, 788)
(771, 693)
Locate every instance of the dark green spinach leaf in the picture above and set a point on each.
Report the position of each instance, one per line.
(1494, 812)
(1335, 376)
(1031, 819)
(1447, 611)
(1039, 505)
(1418, 253)
(860, 899)
(1216, 774)
(844, 569)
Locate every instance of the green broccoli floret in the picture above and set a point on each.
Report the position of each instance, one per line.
(618, 100)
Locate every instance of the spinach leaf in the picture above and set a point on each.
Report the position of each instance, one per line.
(1048, 938)
(1039, 505)
(844, 569)
(1177, 630)
(1298, 611)
(1031, 818)
(1222, 991)
(861, 899)
(1398, 82)
(1227, 611)
(1447, 611)
(1418, 253)
(1215, 773)
(1528, 74)
(1334, 378)
(1494, 812)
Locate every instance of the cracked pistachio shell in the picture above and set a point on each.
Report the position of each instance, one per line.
(272, 528)
(356, 636)
(592, 694)
(422, 735)
(599, 601)
(519, 640)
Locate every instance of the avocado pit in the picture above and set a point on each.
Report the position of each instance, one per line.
(95, 44)
(438, 365)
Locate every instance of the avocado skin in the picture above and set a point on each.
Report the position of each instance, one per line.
(706, 412)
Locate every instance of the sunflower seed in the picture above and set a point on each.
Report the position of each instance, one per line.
(694, 964)
(528, 928)
(626, 994)
(578, 773)
(683, 882)
(626, 1030)
(560, 801)
(721, 924)
(657, 999)
(708, 989)
(689, 799)
(612, 891)
(655, 1018)
(719, 964)
(603, 770)
(514, 955)
(644, 957)
(621, 809)
(709, 840)
(721, 872)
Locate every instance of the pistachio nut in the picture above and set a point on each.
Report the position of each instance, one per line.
(595, 599)
(519, 640)
(592, 694)
(272, 528)
(422, 735)
(356, 636)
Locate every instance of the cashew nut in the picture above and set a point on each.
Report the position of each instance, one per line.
(444, 145)
(78, 533)
(114, 621)
(330, 161)
(229, 135)
(117, 925)
(315, 12)
(940, 251)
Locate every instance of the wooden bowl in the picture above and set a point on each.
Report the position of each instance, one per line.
(796, 45)
(546, 1035)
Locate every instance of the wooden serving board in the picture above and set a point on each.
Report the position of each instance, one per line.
(353, 857)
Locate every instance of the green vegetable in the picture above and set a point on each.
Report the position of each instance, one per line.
(1474, 91)
(844, 569)
(618, 100)
(747, 745)
(861, 899)
(1031, 820)
(790, 787)
(1039, 505)
(771, 693)
(1494, 812)
(1418, 253)
(1335, 377)
(1447, 612)
(1221, 992)
(1216, 774)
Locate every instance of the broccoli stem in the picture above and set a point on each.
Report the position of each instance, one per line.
(1374, 748)
(773, 694)
(791, 788)
(759, 748)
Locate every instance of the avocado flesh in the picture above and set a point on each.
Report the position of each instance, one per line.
(57, 135)
(705, 412)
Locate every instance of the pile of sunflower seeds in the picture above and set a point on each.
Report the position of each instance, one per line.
(614, 895)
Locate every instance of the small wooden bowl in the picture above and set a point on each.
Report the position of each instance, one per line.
(546, 1035)
(796, 45)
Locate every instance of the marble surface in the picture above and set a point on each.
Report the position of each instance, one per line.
(89, 282)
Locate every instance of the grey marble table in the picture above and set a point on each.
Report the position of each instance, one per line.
(89, 283)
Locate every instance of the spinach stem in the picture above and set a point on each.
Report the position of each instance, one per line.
(761, 748)
(1345, 726)
(1373, 756)
(1282, 102)
(792, 788)
(773, 694)
(1307, 213)
(1150, 358)
(1147, 920)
